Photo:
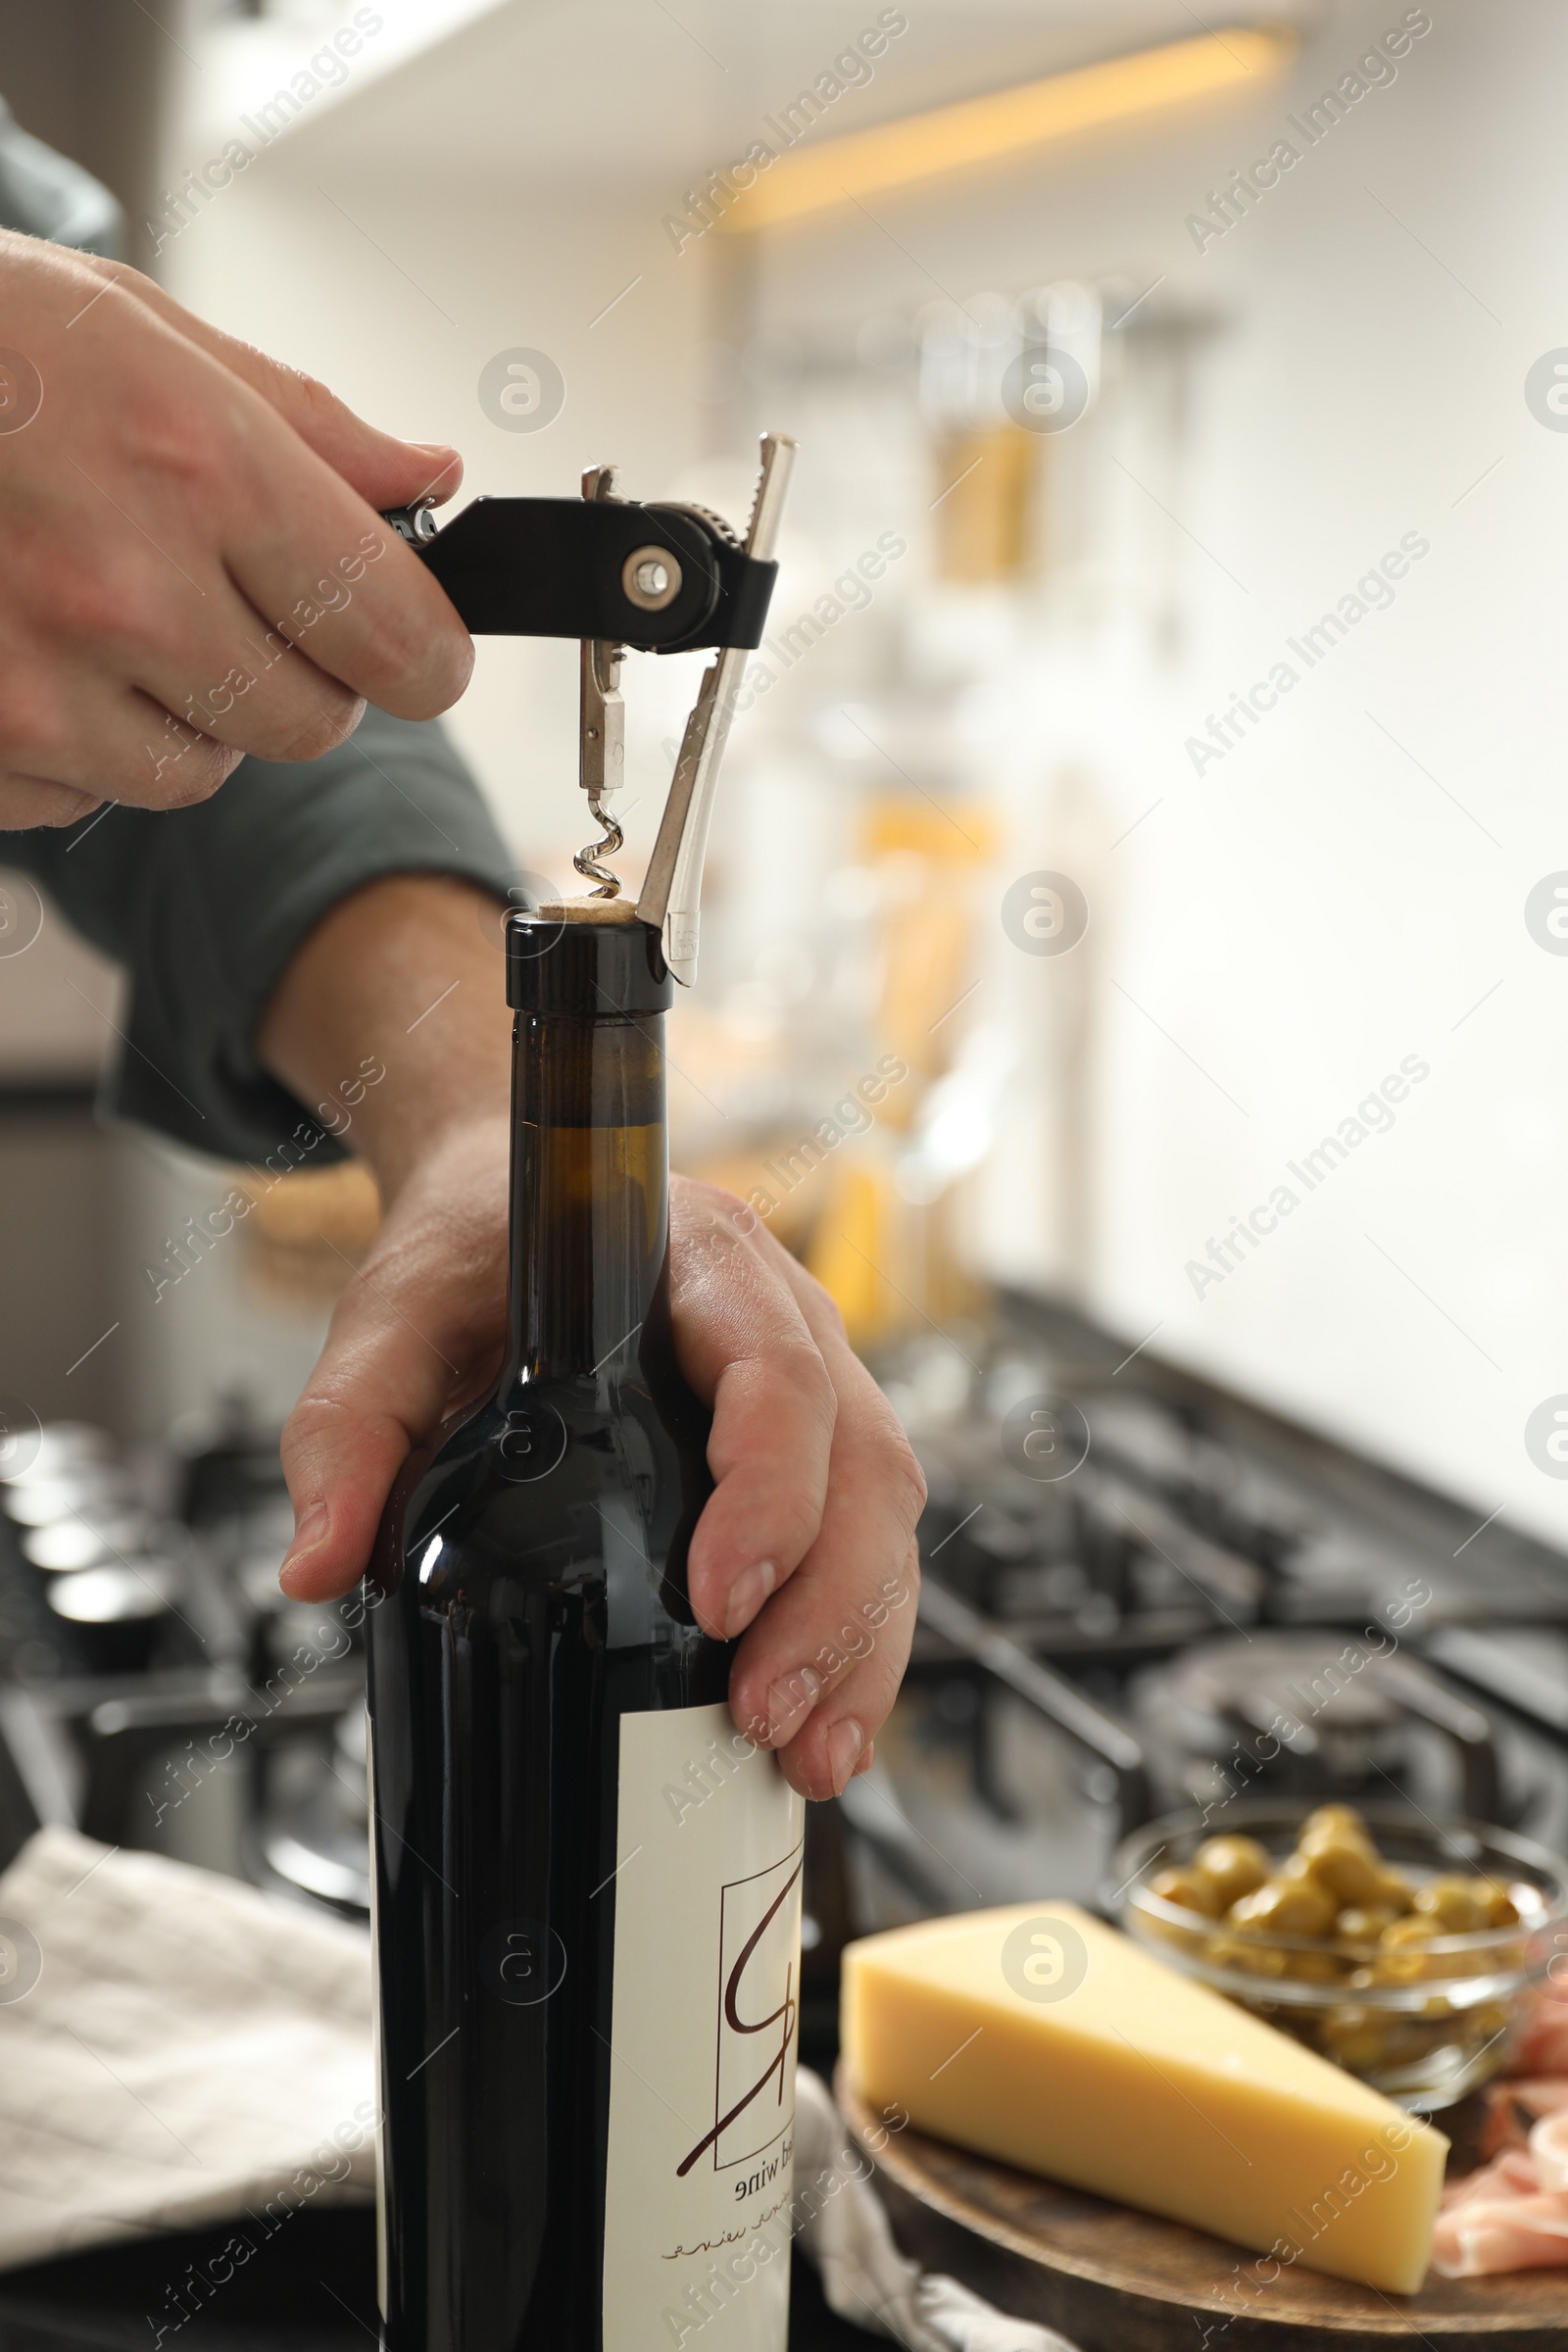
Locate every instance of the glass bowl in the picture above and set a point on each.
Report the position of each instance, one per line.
(1424, 2025)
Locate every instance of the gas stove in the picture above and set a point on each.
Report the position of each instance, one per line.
(1140, 1593)
(1143, 1594)
(156, 1689)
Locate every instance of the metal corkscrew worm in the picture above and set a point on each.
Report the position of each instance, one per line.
(588, 860)
(602, 744)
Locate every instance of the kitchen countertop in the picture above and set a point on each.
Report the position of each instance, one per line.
(312, 2289)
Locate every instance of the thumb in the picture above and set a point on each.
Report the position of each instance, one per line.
(376, 1389)
(385, 471)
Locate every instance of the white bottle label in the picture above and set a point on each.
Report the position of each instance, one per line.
(704, 2034)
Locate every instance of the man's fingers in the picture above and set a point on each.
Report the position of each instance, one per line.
(746, 1347)
(821, 1668)
(418, 1332)
(385, 471)
(818, 1675)
(89, 734)
(130, 684)
(247, 684)
(28, 801)
(379, 1386)
(209, 539)
(329, 574)
(817, 1679)
(232, 461)
(807, 1538)
(769, 1454)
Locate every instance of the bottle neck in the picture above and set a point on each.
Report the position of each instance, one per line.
(590, 1192)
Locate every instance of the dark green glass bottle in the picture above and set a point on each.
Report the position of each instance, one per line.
(586, 1882)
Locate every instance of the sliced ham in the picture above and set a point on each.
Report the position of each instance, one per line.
(1510, 2174)
(1514, 2105)
(1512, 2213)
(1509, 2234)
(1548, 2150)
(1542, 2044)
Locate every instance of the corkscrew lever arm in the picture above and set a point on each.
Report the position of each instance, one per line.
(673, 885)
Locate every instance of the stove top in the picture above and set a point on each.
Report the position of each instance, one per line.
(1142, 1593)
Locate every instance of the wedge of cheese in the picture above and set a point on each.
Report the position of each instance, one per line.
(1040, 2036)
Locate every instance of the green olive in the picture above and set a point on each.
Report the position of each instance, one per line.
(1316, 1968)
(1246, 1957)
(1289, 1904)
(1401, 1932)
(1364, 1923)
(1457, 1906)
(1501, 1909)
(1402, 1955)
(1233, 1866)
(1191, 1889)
(1343, 1819)
(1358, 2038)
(1346, 1861)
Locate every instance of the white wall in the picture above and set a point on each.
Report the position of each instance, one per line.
(1314, 907)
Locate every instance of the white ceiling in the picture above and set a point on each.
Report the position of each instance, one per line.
(617, 92)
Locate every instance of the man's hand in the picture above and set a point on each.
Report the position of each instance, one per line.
(806, 1546)
(194, 565)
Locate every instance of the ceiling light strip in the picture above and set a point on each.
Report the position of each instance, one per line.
(982, 130)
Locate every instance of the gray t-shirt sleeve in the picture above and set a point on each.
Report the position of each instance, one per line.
(46, 195)
(205, 907)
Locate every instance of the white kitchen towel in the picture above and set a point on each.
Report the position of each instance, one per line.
(174, 2049)
(177, 2049)
(844, 2232)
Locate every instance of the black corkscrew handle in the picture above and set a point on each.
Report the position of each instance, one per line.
(660, 578)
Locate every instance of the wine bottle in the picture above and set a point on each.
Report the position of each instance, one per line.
(586, 1881)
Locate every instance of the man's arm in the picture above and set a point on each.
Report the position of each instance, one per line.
(806, 1544)
(206, 906)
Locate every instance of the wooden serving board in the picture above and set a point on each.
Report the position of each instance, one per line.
(1116, 2281)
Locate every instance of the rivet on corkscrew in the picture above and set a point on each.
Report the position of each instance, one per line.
(602, 741)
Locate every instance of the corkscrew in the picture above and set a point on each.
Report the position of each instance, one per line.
(602, 728)
(616, 575)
